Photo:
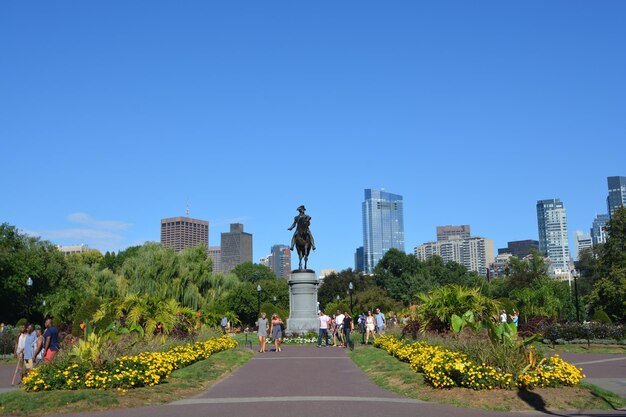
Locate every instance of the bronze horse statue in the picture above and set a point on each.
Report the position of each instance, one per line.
(302, 239)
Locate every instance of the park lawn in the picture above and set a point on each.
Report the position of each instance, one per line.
(396, 376)
(583, 348)
(182, 383)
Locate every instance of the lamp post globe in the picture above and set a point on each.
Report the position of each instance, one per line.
(350, 290)
(258, 291)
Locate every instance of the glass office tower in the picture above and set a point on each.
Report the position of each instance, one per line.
(383, 225)
(617, 194)
(553, 239)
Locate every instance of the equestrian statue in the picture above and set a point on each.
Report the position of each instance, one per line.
(302, 238)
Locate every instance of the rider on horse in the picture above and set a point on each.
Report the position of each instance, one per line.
(299, 221)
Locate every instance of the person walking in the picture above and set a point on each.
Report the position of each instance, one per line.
(20, 342)
(277, 331)
(348, 326)
(324, 320)
(380, 322)
(51, 342)
(515, 317)
(370, 326)
(30, 344)
(262, 331)
(503, 316)
(361, 322)
(39, 345)
(224, 324)
(339, 319)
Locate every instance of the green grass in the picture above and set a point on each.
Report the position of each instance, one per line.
(393, 375)
(182, 383)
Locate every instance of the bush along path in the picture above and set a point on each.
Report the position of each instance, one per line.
(443, 368)
(145, 369)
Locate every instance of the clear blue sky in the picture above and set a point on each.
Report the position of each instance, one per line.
(113, 114)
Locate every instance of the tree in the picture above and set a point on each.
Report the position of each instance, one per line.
(523, 272)
(609, 292)
(251, 272)
(336, 284)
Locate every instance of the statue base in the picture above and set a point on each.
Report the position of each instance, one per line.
(303, 315)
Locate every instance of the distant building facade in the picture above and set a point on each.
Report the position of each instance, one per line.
(520, 248)
(448, 232)
(359, 259)
(74, 249)
(475, 253)
(236, 247)
(500, 266)
(280, 261)
(598, 232)
(553, 238)
(617, 194)
(583, 241)
(215, 253)
(180, 233)
(383, 225)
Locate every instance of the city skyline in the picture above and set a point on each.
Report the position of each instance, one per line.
(458, 107)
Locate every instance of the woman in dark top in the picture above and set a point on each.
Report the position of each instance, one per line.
(348, 326)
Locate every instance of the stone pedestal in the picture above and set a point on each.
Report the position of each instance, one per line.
(303, 317)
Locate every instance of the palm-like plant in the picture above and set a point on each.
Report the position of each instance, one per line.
(436, 307)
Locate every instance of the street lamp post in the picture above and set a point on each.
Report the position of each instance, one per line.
(29, 284)
(258, 292)
(575, 274)
(350, 290)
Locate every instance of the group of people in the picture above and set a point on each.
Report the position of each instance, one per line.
(274, 327)
(342, 324)
(514, 317)
(32, 347)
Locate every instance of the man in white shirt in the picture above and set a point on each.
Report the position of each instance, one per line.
(503, 316)
(339, 320)
(324, 320)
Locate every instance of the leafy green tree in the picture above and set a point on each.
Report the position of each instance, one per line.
(523, 272)
(609, 292)
(336, 284)
(251, 272)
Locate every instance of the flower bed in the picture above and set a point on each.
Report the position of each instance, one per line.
(299, 340)
(443, 368)
(145, 369)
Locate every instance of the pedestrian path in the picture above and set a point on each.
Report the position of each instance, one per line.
(304, 381)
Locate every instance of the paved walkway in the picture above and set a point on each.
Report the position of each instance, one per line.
(604, 370)
(6, 376)
(303, 381)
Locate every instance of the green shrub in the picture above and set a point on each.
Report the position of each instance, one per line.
(601, 317)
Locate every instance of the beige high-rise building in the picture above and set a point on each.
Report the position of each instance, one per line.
(215, 253)
(475, 253)
(180, 233)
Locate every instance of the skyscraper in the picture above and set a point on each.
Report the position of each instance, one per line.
(215, 253)
(236, 247)
(383, 225)
(553, 239)
(280, 261)
(179, 233)
(359, 259)
(583, 242)
(446, 232)
(617, 194)
(598, 234)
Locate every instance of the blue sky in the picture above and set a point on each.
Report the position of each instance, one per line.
(115, 114)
